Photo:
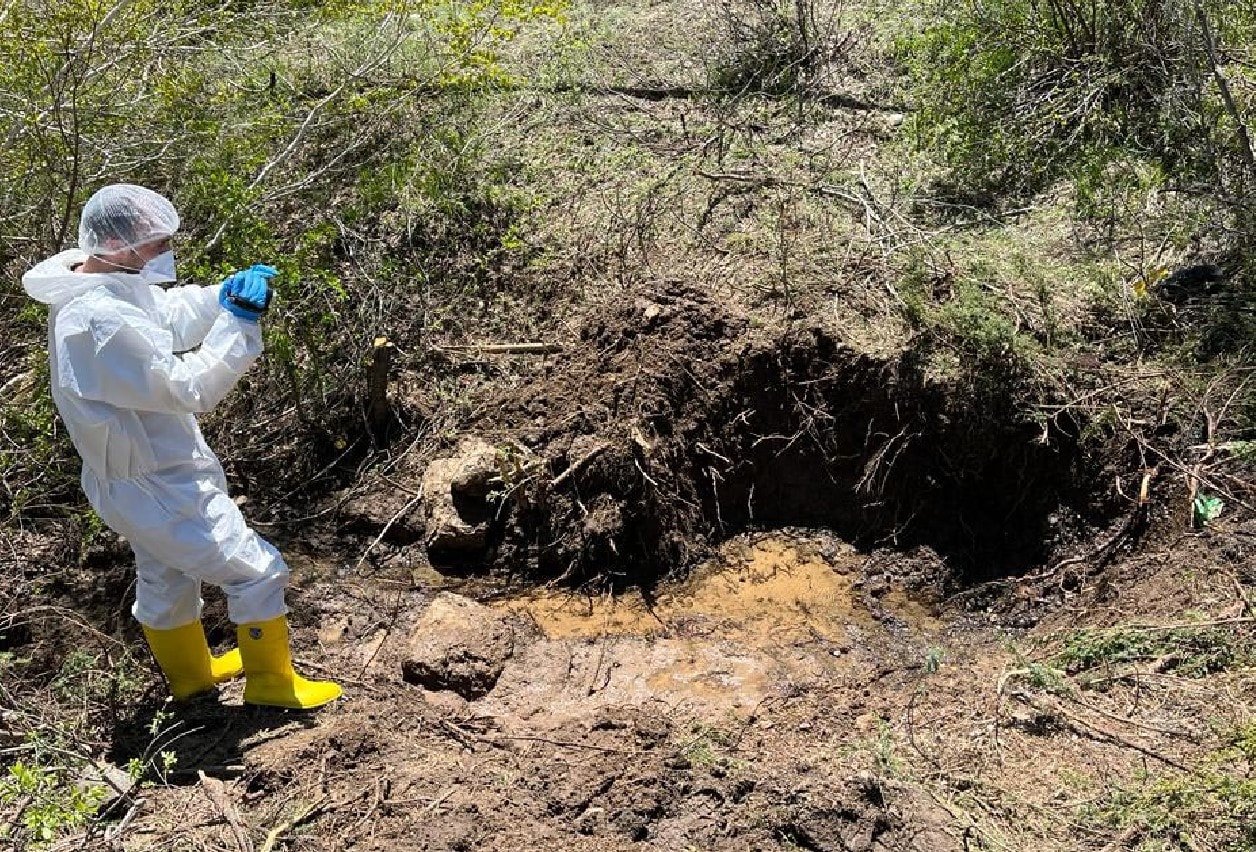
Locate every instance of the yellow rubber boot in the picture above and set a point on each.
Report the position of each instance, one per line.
(184, 657)
(270, 679)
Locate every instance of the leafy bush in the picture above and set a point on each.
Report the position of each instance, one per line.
(1193, 652)
(1211, 807)
(773, 47)
(1014, 94)
(50, 804)
(336, 140)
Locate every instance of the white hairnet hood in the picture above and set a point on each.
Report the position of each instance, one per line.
(54, 281)
(122, 216)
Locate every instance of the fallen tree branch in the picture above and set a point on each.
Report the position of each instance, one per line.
(834, 100)
(275, 833)
(1087, 728)
(506, 348)
(114, 833)
(1180, 626)
(565, 744)
(213, 771)
(1125, 720)
(216, 792)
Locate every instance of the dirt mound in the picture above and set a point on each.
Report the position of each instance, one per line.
(677, 424)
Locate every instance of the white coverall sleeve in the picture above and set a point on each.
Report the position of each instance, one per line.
(112, 360)
(189, 312)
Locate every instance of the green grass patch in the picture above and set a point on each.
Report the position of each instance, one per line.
(1211, 807)
(1187, 651)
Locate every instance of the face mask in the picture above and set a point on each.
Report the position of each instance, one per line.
(159, 270)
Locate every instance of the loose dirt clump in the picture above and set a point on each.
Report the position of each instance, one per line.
(460, 646)
(455, 495)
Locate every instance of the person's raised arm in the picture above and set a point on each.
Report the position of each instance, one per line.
(121, 359)
(189, 313)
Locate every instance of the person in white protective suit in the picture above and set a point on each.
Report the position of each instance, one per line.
(132, 364)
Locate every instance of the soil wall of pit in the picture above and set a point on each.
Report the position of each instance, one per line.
(676, 425)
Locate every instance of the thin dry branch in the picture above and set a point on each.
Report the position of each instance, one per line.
(1245, 149)
(216, 792)
(505, 348)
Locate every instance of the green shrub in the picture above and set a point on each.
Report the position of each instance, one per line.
(336, 140)
(1189, 651)
(1015, 94)
(1211, 807)
(51, 803)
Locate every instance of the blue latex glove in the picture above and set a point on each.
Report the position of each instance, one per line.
(247, 293)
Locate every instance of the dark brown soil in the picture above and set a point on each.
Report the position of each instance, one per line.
(789, 707)
(672, 423)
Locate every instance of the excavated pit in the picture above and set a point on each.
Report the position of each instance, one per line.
(679, 426)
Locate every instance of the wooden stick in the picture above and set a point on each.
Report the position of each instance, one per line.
(1182, 626)
(218, 771)
(116, 831)
(508, 348)
(274, 834)
(1144, 488)
(216, 792)
(1085, 727)
(565, 744)
(377, 385)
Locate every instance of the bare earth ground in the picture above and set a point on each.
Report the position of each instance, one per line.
(787, 696)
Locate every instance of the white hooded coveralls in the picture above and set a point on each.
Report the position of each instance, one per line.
(129, 405)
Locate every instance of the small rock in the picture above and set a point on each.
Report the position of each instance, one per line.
(650, 311)
(458, 645)
(112, 783)
(449, 703)
(591, 820)
(333, 632)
